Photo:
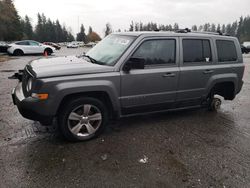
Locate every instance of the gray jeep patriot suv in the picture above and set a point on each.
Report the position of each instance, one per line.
(127, 74)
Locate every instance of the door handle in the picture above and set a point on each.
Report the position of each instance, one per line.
(168, 74)
(208, 71)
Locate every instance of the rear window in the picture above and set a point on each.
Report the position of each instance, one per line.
(226, 50)
(196, 50)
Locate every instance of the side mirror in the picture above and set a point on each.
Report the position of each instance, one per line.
(134, 63)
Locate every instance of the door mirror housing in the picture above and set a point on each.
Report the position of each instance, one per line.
(134, 63)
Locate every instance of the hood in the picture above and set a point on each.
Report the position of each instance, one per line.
(65, 66)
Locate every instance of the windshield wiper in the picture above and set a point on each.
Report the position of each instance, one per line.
(94, 60)
(90, 58)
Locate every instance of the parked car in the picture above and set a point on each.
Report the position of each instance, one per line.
(80, 44)
(246, 44)
(3, 47)
(129, 74)
(73, 45)
(56, 46)
(90, 44)
(244, 49)
(29, 47)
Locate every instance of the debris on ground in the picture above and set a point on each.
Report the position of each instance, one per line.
(104, 157)
(144, 159)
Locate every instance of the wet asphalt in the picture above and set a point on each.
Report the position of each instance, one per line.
(191, 148)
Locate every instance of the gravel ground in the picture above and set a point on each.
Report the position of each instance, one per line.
(192, 148)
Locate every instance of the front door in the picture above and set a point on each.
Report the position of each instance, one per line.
(154, 87)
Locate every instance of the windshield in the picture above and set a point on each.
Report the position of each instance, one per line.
(109, 50)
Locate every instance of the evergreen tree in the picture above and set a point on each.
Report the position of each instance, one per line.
(39, 28)
(90, 30)
(137, 26)
(228, 29)
(194, 28)
(131, 27)
(176, 27)
(59, 32)
(213, 27)
(200, 28)
(81, 36)
(141, 26)
(170, 28)
(240, 25)
(218, 28)
(108, 29)
(223, 29)
(27, 28)
(234, 28)
(10, 24)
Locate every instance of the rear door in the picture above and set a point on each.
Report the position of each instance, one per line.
(197, 66)
(154, 87)
(24, 46)
(35, 47)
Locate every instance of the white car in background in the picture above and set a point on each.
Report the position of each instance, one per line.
(247, 44)
(73, 45)
(29, 47)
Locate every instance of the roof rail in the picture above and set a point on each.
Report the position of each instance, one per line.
(186, 30)
(208, 32)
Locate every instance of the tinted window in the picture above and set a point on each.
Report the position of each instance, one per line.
(22, 43)
(195, 50)
(157, 52)
(226, 50)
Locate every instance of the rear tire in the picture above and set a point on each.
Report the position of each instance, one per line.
(18, 52)
(82, 119)
(49, 51)
(214, 105)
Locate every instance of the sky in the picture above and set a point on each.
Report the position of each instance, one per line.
(96, 13)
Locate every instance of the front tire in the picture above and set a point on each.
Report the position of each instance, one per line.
(82, 119)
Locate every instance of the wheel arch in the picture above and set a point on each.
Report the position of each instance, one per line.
(225, 86)
(48, 50)
(103, 96)
(18, 49)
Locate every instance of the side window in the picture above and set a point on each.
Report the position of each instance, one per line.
(196, 50)
(33, 43)
(23, 43)
(226, 50)
(157, 52)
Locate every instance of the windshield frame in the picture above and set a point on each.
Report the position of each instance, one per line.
(133, 38)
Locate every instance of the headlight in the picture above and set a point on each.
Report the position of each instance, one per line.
(29, 85)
